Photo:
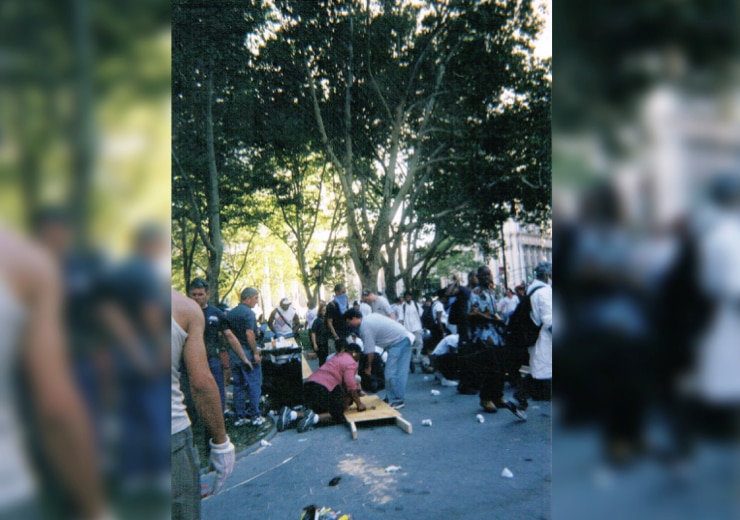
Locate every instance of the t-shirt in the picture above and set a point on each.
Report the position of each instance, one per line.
(438, 307)
(216, 323)
(339, 370)
(242, 319)
(340, 325)
(379, 330)
(410, 313)
(381, 306)
(283, 321)
(318, 328)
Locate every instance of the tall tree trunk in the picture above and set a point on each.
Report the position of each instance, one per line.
(215, 253)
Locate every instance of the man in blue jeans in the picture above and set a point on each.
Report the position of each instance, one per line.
(247, 376)
(376, 329)
(216, 325)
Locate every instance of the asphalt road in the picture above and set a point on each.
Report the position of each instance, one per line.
(449, 470)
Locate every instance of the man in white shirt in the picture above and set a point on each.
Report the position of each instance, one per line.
(410, 317)
(507, 304)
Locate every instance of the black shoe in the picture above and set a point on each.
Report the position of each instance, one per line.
(520, 396)
(516, 411)
(464, 389)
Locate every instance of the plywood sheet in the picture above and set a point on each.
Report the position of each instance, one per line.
(306, 368)
(377, 410)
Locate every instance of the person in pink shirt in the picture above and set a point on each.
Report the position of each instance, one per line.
(327, 393)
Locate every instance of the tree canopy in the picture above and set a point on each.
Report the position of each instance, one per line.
(429, 121)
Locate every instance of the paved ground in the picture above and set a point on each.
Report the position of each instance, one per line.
(449, 470)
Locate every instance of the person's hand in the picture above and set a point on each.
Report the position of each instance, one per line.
(361, 407)
(246, 361)
(368, 371)
(257, 358)
(222, 460)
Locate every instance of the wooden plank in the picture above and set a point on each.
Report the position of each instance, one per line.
(306, 368)
(376, 409)
(404, 425)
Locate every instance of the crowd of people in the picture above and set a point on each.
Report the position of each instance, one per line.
(367, 346)
(459, 334)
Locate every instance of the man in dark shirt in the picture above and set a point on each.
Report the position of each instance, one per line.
(247, 377)
(216, 325)
(335, 322)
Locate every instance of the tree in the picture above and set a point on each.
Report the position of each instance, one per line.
(409, 102)
(208, 43)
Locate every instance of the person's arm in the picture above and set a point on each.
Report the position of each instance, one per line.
(271, 319)
(296, 323)
(252, 340)
(124, 334)
(202, 385)
(64, 425)
(236, 346)
(203, 388)
(330, 322)
(314, 338)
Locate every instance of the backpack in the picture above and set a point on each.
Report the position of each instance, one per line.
(427, 318)
(521, 331)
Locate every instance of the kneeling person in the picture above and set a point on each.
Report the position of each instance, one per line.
(327, 393)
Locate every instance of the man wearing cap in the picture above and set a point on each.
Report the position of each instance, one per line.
(379, 304)
(390, 335)
(283, 321)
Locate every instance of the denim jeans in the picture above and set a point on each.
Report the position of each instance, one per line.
(397, 370)
(185, 478)
(217, 369)
(246, 381)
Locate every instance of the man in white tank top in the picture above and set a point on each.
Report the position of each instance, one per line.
(188, 325)
(32, 339)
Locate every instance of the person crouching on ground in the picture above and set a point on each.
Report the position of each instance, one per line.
(327, 393)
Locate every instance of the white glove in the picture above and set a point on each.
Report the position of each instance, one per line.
(222, 460)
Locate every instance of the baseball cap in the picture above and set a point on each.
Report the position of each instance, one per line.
(285, 301)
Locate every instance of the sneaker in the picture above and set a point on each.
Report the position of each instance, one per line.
(488, 406)
(242, 422)
(258, 421)
(229, 413)
(283, 420)
(305, 423)
(397, 405)
(515, 410)
(448, 382)
(520, 396)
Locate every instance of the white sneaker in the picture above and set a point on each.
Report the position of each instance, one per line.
(241, 422)
(258, 421)
(448, 382)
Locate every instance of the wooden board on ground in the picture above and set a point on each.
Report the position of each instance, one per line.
(377, 410)
(306, 368)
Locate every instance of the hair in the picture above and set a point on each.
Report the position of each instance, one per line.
(353, 347)
(198, 283)
(338, 287)
(351, 314)
(248, 293)
(543, 270)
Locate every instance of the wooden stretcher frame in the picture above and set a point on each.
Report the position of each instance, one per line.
(377, 410)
